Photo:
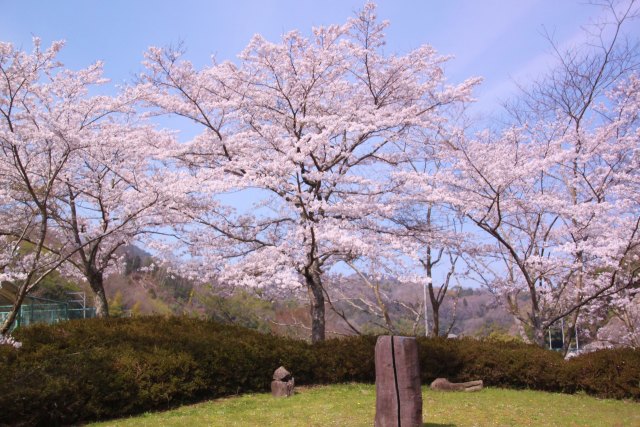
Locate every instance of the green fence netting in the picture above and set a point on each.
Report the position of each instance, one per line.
(45, 312)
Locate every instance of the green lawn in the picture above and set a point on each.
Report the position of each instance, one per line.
(354, 405)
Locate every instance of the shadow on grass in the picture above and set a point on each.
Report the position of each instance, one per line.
(437, 425)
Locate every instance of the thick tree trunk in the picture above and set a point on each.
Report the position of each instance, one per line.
(100, 298)
(314, 284)
(435, 327)
(538, 336)
(435, 302)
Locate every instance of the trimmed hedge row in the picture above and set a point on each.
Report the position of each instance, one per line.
(104, 368)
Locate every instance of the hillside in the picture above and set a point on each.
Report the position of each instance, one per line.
(140, 290)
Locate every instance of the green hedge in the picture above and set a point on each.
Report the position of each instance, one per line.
(98, 369)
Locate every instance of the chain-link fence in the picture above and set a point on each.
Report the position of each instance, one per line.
(45, 311)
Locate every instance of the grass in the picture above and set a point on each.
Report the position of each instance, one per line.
(354, 405)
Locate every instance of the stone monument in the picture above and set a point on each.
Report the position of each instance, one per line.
(282, 384)
(398, 393)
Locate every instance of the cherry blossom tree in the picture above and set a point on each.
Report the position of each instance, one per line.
(556, 194)
(435, 241)
(74, 176)
(113, 192)
(430, 231)
(36, 145)
(309, 128)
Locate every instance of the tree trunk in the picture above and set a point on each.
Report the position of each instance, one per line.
(538, 336)
(383, 309)
(8, 322)
(435, 310)
(314, 284)
(435, 304)
(100, 298)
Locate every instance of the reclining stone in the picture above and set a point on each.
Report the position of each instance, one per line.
(442, 384)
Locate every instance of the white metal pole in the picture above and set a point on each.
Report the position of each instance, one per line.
(426, 311)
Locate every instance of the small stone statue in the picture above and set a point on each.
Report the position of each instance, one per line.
(282, 384)
(442, 384)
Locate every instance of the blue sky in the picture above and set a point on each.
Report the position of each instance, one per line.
(498, 40)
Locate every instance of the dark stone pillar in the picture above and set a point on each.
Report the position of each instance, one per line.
(398, 393)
